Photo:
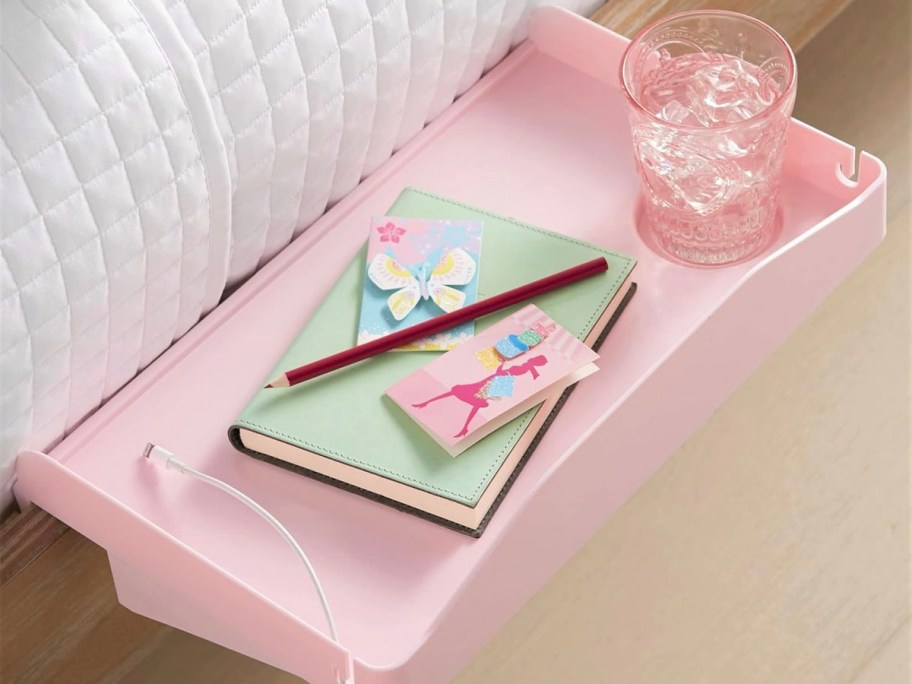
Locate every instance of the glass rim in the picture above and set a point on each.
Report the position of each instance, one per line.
(786, 91)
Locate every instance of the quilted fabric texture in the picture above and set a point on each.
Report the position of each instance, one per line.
(156, 151)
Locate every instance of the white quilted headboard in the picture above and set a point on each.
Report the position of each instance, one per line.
(156, 151)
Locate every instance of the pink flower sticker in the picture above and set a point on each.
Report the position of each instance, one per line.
(390, 232)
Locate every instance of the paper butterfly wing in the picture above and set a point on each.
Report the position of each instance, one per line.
(456, 267)
(388, 274)
(447, 298)
(402, 302)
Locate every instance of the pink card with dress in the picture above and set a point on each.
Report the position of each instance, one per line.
(492, 378)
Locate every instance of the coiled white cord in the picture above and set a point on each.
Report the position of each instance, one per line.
(165, 458)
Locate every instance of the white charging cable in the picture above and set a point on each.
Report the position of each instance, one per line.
(169, 461)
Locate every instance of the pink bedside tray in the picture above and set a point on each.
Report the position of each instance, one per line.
(543, 137)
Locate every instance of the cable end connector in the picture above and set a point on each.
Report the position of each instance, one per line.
(158, 455)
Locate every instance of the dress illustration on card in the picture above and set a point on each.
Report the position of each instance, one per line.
(485, 382)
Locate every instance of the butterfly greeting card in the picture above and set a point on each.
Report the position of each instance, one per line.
(418, 269)
(497, 375)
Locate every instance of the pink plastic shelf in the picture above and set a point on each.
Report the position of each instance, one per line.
(543, 138)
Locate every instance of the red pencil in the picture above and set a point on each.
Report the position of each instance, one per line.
(440, 323)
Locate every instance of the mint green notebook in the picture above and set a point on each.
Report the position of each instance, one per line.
(341, 428)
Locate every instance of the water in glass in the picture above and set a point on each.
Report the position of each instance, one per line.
(709, 132)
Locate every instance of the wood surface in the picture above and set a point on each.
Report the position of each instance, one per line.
(798, 20)
(773, 547)
(24, 538)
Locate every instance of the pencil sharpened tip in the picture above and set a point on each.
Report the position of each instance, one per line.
(267, 386)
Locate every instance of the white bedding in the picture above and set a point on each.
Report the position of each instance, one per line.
(156, 151)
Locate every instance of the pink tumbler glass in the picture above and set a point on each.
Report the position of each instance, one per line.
(710, 96)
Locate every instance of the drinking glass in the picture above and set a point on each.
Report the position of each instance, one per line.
(710, 96)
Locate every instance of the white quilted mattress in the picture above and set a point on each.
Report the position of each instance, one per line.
(155, 152)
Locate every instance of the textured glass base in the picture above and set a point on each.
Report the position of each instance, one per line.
(711, 254)
(706, 250)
